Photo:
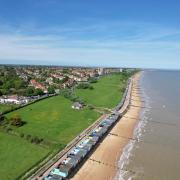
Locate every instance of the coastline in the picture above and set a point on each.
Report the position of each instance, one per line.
(103, 162)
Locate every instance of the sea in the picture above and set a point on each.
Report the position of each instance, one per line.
(155, 152)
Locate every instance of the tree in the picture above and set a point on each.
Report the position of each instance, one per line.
(91, 87)
(16, 120)
(18, 84)
(1, 93)
(22, 135)
(51, 90)
(65, 70)
(28, 137)
(38, 92)
(30, 91)
(93, 80)
(84, 86)
(1, 118)
(1, 82)
(7, 85)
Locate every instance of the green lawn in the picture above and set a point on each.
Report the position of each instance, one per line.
(106, 93)
(53, 119)
(4, 107)
(17, 155)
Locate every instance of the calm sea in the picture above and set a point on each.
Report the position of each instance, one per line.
(155, 155)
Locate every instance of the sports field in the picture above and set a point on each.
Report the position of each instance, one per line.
(106, 93)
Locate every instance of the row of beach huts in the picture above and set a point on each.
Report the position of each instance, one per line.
(78, 153)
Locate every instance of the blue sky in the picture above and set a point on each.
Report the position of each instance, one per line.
(114, 33)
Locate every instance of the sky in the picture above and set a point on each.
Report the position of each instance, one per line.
(114, 33)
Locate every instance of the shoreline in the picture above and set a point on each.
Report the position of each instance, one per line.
(103, 162)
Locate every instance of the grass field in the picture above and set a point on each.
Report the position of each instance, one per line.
(53, 119)
(17, 155)
(4, 107)
(106, 93)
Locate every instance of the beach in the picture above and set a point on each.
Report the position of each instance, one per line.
(103, 162)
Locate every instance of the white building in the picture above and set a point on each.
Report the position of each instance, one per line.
(101, 71)
(13, 100)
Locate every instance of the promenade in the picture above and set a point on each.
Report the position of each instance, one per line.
(103, 163)
(105, 155)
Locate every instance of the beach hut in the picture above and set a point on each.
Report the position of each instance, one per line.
(70, 160)
(106, 123)
(75, 158)
(92, 142)
(94, 138)
(78, 151)
(65, 169)
(56, 173)
(86, 147)
(82, 153)
(53, 177)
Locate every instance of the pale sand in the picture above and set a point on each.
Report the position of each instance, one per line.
(102, 164)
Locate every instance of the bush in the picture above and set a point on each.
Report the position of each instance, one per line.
(1, 93)
(1, 118)
(91, 107)
(93, 80)
(67, 93)
(38, 92)
(35, 140)
(22, 135)
(8, 129)
(16, 121)
(51, 90)
(84, 86)
(28, 137)
(91, 87)
(123, 89)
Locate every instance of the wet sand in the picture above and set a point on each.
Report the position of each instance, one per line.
(103, 163)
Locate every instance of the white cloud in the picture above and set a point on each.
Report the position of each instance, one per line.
(147, 47)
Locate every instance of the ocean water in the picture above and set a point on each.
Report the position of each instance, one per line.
(155, 155)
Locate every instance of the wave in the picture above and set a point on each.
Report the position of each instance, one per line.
(124, 173)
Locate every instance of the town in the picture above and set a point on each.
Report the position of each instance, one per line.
(44, 109)
(22, 84)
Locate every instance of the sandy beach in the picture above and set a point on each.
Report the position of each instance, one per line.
(103, 163)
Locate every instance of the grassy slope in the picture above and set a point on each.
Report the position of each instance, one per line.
(54, 119)
(17, 155)
(106, 93)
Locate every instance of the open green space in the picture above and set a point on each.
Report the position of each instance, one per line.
(17, 155)
(107, 91)
(53, 119)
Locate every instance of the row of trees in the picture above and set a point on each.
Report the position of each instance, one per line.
(84, 86)
(93, 80)
(9, 81)
(14, 120)
(17, 121)
(32, 139)
(68, 93)
(31, 91)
